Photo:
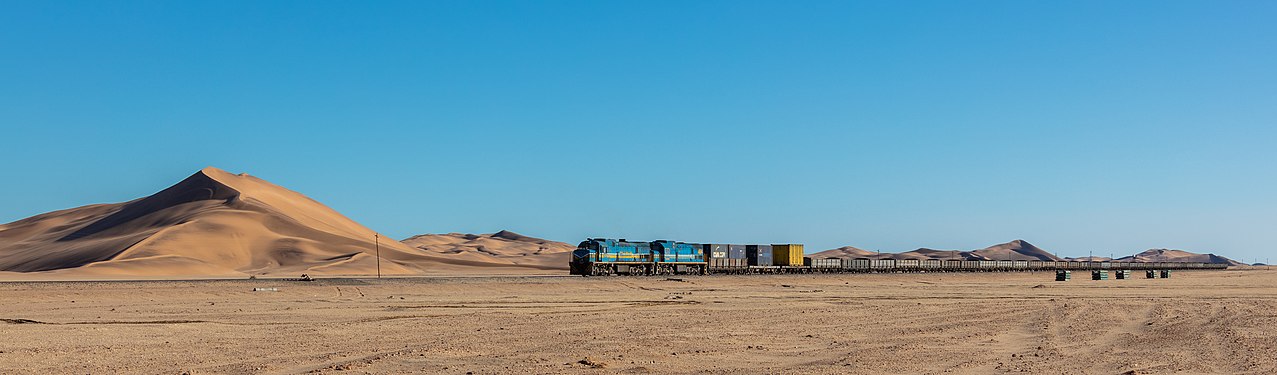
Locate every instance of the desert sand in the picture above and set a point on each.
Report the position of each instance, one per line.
(1195, 322)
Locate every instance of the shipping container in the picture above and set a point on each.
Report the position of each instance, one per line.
(736, 251)
(715, 250)
(787, 254)
(1166, 274)
(1099, 275)
(759, 255)
(1063, 275)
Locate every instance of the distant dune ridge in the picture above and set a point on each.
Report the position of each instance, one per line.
(1014, 250)
(504, 247)
(214, 223)
(1019, 250)
(1167, 255)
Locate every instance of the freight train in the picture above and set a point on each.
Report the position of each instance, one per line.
(599, 256)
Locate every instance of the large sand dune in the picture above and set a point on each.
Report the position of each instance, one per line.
(213, 224)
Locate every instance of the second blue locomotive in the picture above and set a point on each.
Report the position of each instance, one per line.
(600, 256)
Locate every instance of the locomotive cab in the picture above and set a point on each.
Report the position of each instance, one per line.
(582, 258)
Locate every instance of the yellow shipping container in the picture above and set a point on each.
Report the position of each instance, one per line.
(788, 254)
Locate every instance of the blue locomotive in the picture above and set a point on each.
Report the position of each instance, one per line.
(600, 256)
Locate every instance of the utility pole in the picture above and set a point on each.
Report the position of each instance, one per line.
(376, 240)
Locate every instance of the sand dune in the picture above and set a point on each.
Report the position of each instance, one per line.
(504, 247)
(1167, 255)
(213, 223)
(1014, 250)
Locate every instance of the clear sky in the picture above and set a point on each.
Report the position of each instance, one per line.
(1080, 126)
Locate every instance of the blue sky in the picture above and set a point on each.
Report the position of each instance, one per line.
(1102, 126)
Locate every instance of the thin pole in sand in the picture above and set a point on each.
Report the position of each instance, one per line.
(376, 240)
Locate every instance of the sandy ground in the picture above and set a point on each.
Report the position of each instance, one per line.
(1195, 322)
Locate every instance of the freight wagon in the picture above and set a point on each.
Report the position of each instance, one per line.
(727, 265)
(908, 265)
(822, 264)
(882, 265)
(856, 265)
